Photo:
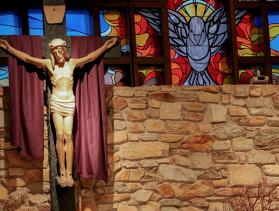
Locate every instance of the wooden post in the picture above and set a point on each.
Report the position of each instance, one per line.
(62, 199)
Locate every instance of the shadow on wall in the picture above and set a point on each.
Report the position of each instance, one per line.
(21, 179)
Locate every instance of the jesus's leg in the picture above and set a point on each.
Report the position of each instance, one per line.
(68, 127)
(60, 147)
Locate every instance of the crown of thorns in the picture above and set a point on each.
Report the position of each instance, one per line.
(56, 42)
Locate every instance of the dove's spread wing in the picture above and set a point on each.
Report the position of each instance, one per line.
(178, 32)
(216, 26)
(153, 18)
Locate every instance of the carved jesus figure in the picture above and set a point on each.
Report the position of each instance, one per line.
(62, 102)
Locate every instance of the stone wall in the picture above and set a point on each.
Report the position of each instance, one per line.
(24, 183)
(169, 149)
(185, 148)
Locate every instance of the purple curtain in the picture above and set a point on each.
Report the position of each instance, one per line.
(90, 135)
(26, 99)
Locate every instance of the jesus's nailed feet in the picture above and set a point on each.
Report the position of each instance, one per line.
(62, 180)
(70, 180)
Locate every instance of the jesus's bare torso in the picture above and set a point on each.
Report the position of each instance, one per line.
(62, 80)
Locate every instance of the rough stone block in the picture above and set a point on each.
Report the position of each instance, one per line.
(201, 160)
(228, 131)
(258, 103)
(192, 116)
(170, 138)
(118, 137)
(273, 122)
(176, 173)
(271, 170)
(198, 189)
(255, 91)
(194, 106)
(242, 144)
(268, 90)
(123, 92)
(260, 157)
(119, 125)
(241, 91)
(154, 125)
(129, 175)
(170, 111)
(185, 96)
(135, 127)
(211, 89)
(225, 99)
(218, 113)
(209, 98)
(221, 145)
(139, 103)
(254, 121)
(244, 174)
(237, 111)
(227, 89)
(166, 190)
(142, 196)
(199, 143)
(225, 157)
(119, 103)
(181, 127)
(152, 103)
(134, 150)
(267, 138)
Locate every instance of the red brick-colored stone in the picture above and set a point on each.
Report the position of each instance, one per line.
(198, 189)
(139, 103)
(166, 190)
(199, 143)
(192, 116)
(162, 96)
(119, 103)
(183, 127)
(251, 121)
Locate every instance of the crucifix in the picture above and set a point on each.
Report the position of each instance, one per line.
(60, 69)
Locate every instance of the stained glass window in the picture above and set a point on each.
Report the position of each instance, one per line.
(197, 31)
(249, 34)
(35, 20)
(273, 21)
(275, 74)
(10, 23)
(117, 75)
(246, 72)
(151, 75)
(79, 23)
(4, 76)
(148, 32)
(113, 23)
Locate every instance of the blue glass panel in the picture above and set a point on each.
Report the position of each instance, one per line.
(35, 20)
(4, 75)
(273, 21)
(9, 23)
(105, 28)
(79, 23)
